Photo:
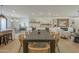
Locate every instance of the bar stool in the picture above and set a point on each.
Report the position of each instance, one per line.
(4, 37)
(5, 40)
(1, 35)
(0, 40)
(9, 35)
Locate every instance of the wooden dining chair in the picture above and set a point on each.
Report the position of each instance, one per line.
(34, 49)
(57, 38)
(52, 34)
(21, 38)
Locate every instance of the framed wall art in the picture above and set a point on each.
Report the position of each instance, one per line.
(63, 23)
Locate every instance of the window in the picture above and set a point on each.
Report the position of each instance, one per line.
(3, 23)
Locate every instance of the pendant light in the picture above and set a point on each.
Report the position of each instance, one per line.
(1, 13)
(2, 18)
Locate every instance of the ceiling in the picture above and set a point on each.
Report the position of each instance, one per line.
(40, 10)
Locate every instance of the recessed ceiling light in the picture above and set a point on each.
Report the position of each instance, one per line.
(33, 13)
(49, 13)
(11, 15)
(41, 13)
(13, 11)
(2, 11)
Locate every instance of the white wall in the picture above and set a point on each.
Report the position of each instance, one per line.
(14, 23)
(49, 19)
(76, 22)
(45, 19)
(42, 20)
(53, 20)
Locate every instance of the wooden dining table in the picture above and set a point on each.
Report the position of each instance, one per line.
(35, 36)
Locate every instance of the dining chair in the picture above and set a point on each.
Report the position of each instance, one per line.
(52, 34)
(21, 38)
(55, 35)
(57, 38)
(33, 48)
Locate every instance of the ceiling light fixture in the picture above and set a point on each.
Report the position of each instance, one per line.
(1, 13)
(41, 13)
(13, 11)
(33, 13)
(49, 13)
